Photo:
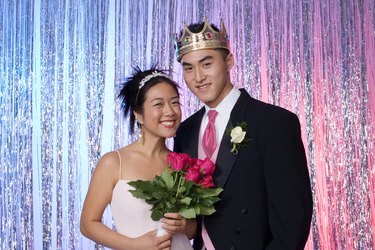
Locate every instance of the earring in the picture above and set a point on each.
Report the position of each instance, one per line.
(140, 134)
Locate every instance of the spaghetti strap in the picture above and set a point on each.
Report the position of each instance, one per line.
(119, 156)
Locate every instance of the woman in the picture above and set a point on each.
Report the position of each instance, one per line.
(150, 99)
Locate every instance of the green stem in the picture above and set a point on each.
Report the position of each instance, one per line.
(178, 187)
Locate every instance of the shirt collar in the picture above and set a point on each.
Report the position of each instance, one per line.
(227, 104)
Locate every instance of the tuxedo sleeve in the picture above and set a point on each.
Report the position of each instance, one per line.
(176, 143)
(288, 183)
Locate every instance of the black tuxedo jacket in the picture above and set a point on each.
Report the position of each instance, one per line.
(267, 201)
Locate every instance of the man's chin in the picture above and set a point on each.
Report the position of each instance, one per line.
(204, 98)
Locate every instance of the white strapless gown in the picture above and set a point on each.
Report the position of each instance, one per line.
(132, 216)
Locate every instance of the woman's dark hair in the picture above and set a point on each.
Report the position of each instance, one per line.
(132, 95)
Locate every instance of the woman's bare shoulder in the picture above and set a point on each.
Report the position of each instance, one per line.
(109, 159)
(108, 166)
(130, 152)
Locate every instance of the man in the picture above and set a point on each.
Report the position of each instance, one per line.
(267, 201)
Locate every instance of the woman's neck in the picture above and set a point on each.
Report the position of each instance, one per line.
(153, 146)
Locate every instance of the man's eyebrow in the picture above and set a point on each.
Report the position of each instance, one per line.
(186, 64)
(200, 61)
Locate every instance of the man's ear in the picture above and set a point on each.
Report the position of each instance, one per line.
(229, 61)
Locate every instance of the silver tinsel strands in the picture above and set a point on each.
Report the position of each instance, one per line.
(62, 64)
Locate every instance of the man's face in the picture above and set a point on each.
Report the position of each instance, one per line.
(206, 74)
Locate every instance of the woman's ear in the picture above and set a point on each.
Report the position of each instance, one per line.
(138, 117)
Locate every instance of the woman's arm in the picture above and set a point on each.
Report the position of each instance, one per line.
(99, 195)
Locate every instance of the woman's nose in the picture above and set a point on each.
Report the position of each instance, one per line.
(168, 110)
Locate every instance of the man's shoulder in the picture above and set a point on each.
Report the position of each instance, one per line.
(264, 109)
(193, 117)
(271, 107)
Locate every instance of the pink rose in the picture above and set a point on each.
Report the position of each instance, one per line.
(193, 174)
(207, 181)
(179, 161)
(207, 167)
(197, 161)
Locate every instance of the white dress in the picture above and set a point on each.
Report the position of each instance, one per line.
(132, 216)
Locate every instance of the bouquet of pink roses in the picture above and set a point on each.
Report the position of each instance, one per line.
(186, 187)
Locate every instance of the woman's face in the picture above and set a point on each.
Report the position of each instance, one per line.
(161, 111)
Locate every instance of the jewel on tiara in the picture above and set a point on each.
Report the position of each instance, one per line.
(148, 77)
(208, 38)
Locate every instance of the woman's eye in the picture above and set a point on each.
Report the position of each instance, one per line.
(157, 104)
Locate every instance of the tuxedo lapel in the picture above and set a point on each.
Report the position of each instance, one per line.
(225, 159)
(190, 142)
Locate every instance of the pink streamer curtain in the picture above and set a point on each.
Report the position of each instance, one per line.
(316, 58)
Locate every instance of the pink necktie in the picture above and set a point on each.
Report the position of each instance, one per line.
(209, 136)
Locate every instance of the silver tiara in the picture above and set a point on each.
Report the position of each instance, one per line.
(148, 77)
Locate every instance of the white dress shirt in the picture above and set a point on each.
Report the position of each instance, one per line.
(224, 109)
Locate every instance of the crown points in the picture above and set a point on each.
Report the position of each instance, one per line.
(207, 38)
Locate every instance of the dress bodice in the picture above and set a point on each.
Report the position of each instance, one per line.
(132, 216)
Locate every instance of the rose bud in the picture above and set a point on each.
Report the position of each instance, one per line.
(207, 181)
(193, 174)
(207, 167)
(179, 161)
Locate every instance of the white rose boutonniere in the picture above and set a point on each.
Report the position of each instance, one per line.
(237, 137)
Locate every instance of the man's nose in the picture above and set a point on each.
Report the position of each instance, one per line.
(199, 75)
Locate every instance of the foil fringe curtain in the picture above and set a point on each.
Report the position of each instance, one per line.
(62, 64)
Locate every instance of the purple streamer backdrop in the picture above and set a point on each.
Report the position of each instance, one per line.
(62, 64)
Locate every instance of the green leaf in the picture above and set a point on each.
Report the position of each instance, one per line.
(139, 194)
(197, 209)
(189, 184)
(182, 189)
(207, 210)
(186, 201)
(144, 185)
(168, 179)
(159, 182)
(159, 194)
(156, 215)
(209, 201)
(207, 192)
(188, 213)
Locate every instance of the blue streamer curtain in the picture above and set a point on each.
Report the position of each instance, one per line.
(62, 63)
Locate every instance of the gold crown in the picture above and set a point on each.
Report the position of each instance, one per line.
(207, 38)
